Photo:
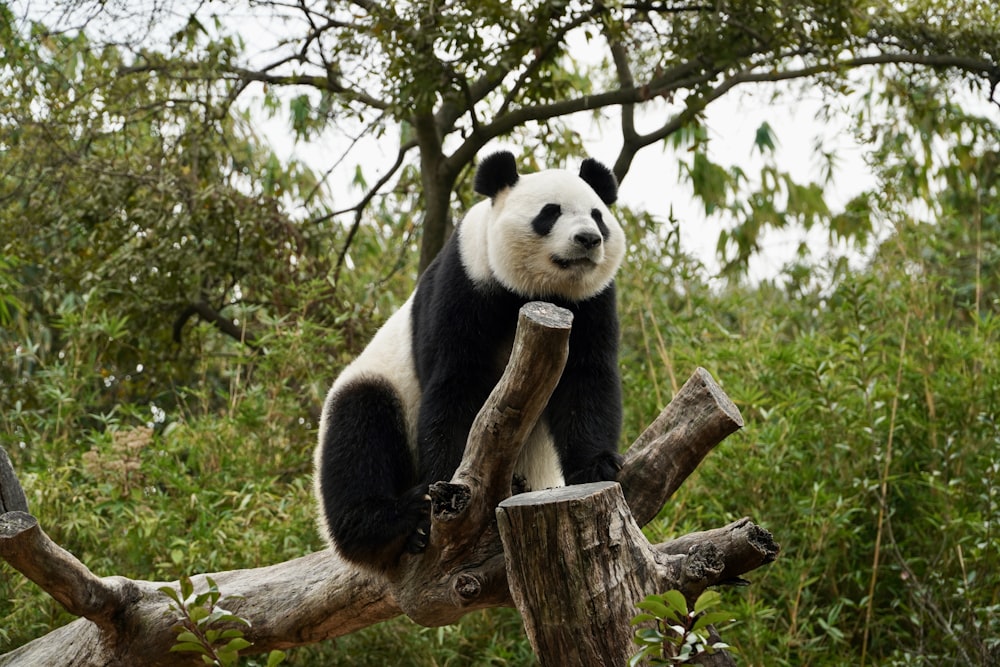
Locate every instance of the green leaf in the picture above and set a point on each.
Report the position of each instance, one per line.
(188, 647)
(677, 602)
(706, 600)
(198, 614)
(275, 658)
(236, 645)
(171, 593)
(359, 178)
(187, 588)
(648, 636)
(655, 607)
(188, 636)
(764, 140)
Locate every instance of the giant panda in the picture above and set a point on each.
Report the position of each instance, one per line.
(398, 417)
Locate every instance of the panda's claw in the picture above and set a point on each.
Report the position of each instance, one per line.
(415, 505)
(418, 540)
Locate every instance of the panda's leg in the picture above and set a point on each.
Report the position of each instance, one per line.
(372, 507)
(584, 416)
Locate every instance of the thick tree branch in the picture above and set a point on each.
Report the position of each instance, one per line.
(669, 450)
(29, 550)
(664, 85)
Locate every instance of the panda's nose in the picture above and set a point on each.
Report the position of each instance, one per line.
(587, 240)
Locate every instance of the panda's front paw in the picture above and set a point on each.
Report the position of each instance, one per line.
(602, 468)
(415, 507)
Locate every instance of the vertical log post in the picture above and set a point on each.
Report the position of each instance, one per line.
(577, 563)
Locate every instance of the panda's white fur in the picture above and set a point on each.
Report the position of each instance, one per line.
(396, 418)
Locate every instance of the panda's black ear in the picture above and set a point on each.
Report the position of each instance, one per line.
(496, 173)
(600, 178)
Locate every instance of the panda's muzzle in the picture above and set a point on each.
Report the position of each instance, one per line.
(585, 251)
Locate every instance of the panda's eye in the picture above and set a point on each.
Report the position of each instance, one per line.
(601, 226)
(546, 219)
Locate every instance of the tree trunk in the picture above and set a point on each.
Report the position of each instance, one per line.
(319, 596)
(438, 179)
(578, 563)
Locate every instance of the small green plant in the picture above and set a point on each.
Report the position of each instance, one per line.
(678, 635)
(198, 628)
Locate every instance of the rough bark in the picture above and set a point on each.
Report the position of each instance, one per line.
(698, 418)
(319, 596)
(578, 563)
(575, 548)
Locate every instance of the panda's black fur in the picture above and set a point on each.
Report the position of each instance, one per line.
(398, 418)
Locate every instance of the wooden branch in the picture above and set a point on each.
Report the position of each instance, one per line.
(578, 563)
(297, 602)
(29, 550)
(669, 450)
(12, 498)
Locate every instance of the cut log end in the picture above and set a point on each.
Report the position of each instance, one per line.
(556, 495)
(547, 315)
(723, 403)
(449, 500)
(12, 524)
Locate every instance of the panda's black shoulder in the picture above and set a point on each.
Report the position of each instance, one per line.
(453, 316)
(444, 278)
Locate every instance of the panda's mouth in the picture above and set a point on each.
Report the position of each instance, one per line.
(569, 263)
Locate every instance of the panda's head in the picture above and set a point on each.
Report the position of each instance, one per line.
(547, 234)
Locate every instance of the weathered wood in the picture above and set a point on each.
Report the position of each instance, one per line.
(463, 568)
(297, 602)
(698, 418)
(58, 572)
(575, 559)
(578, 563)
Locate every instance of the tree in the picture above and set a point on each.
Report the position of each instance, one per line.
(169, 203)
(447, 79)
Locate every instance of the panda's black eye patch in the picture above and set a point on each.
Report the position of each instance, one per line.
(546, 219)
(601, 226)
